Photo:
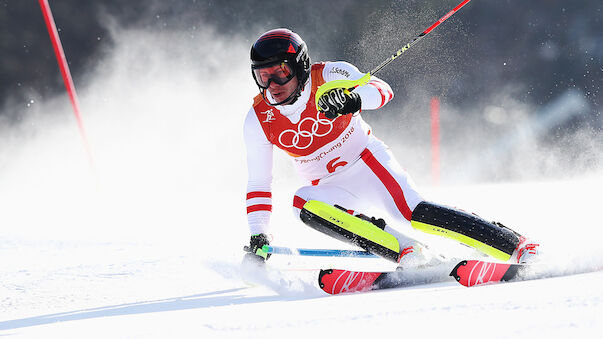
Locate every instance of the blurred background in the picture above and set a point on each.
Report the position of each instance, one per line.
(519, 82)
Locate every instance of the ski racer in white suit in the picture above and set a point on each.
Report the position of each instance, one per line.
(332, 148)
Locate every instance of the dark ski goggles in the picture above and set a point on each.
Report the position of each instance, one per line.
(280, 74)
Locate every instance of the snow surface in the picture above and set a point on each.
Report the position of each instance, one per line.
(157, 288)
(149, 244)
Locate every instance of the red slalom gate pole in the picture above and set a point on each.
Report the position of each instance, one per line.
(65, 73)
(435, 140)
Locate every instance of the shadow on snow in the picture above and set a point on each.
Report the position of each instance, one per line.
(210, 299)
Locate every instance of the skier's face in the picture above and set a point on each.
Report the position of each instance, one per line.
(282, 92)
(279, 79)
(280, 73)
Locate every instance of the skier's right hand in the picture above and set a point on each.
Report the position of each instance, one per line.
(256, 253)
(339, 101)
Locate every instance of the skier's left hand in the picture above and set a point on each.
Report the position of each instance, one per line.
(339, 101)
(256, 254)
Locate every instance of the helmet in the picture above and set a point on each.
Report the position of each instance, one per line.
(281, 47)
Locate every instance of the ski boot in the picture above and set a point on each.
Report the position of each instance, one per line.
(526, 252)
(413, 254)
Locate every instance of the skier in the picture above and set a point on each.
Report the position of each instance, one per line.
(347, 168)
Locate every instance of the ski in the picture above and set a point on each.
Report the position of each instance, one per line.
(476, 272)
(467, 272)
(336, 281)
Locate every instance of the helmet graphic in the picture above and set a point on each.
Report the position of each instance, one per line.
(285, 49)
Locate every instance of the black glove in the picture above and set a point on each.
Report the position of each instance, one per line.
(256, 253)
(339, 101)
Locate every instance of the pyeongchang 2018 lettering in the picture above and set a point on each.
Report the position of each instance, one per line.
(342, 139)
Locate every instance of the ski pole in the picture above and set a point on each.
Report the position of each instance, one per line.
(351, 84)
(418, 37)
(318, 252)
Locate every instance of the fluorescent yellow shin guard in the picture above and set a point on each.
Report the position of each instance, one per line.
(469, 229)
(343, 226)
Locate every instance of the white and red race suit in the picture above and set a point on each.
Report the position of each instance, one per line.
(342, 161)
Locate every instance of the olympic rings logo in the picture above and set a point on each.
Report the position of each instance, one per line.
(308, 136)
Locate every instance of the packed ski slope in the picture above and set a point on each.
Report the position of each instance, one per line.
(158, 286)
(149, 244)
